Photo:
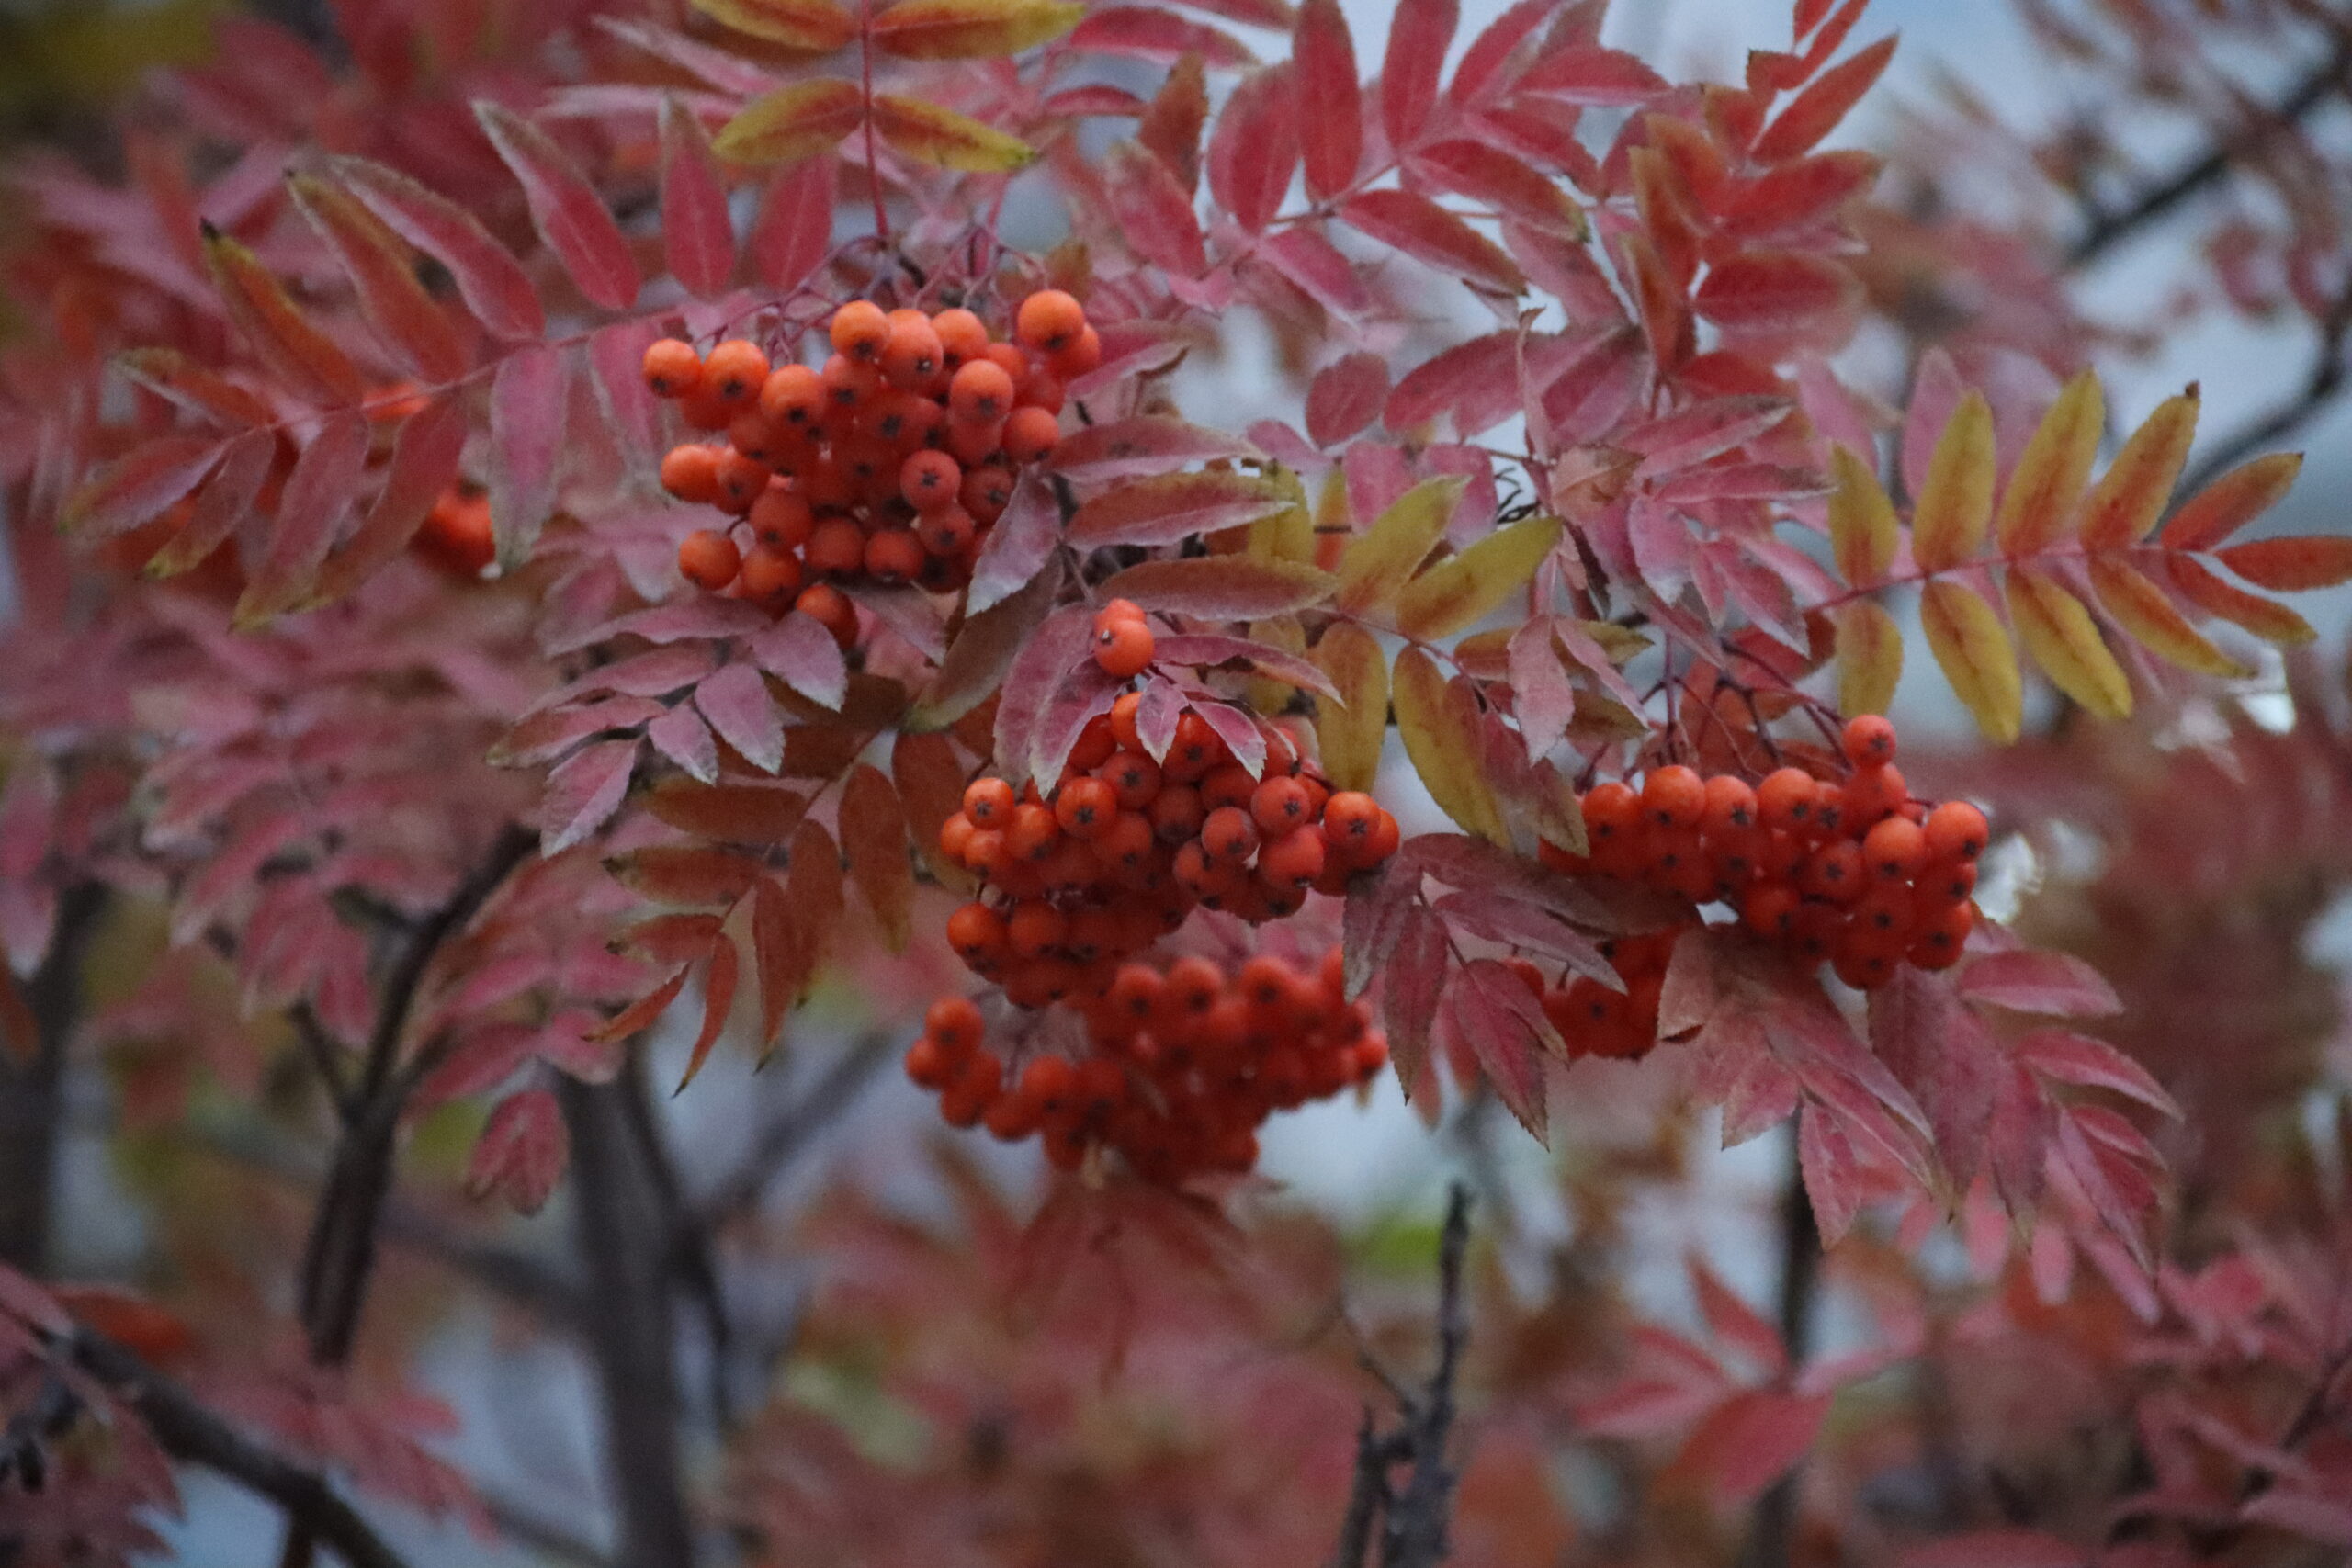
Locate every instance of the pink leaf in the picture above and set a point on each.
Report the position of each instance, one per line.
(1491, 175)
(1329, 102)
(616, 360)
(1941, 1054)
(2055, 982)
(1546, 702)
(1749, 1442)
(528, 399)
(1593, 77)
(1419, 227)
(223, 503)
(584, 792)
(1154, 212)
(1142, 443)
(522, 1151)
(698, 235)
(1703, 431)
(1736, 1324)
(680, 735)
(1086, 692)
(1148, 32)
(1171, 508)
(492, 282)
(1935, 391)
(1202, 650)
(1412, 983)
(2081, 1060)
(1489, 1010)
(1221, 588)
(794, 231)
(1018, 546)
(1346, 396)
(137, 488)
(318, 495)
(1307, 257)
(1240, 732)
(2309, 1515)
(736, 701)
(1439, 385)
(1481, 72)
(1498, 917)
(1832, 1176)
(1037, 671)
(1773, 290)
(565, 209)
(1254, 151)
(423, 465)
(1419, 35)
(383, 278)
(983, 651)
(804, 656)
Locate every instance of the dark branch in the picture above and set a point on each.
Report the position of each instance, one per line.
(31, 1091)
(2321, 384)
(1772, 1530)
(785, 1137)
(193, 1434)
(2111, 228)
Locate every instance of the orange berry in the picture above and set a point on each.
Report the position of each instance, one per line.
(1938, 943)
(927, 1065)
(1956, 830)
(1077, 357)
(741, 480)
(1176, 812)
(831, 609)
(893, 555)
(1869, 741)
(1350, 817)
(1952, 881)
(988, 802)
(836, 546)
(1123, 648)
(1134, 777)
(1127, 843)
(1828, 809)
(1030, 433)
(754, 435)
(1770, 909)
(987, 492)
(981, 394)
(769, 572)
(1886, 910)
(671, 368)
(1035, 929)
(708, 559)
(1086, 807)
(1364, 853)
(962, 335)
(690, 472)
(1785, 800)
(1871, 796)
(1894, 850)
(849, 384)
(1296, 858)
(781, 518)
(1674, 797)
(1612, 810)
(705, 410)
(1834, 872)
(956, 836)
(910, 354)
(1229, 835)
(1730, 809)
(1039, 389)
(1049, 321)
(945, 531)
(1094, 744)
(793, 395)
(975, 444)
(930, 481)
(1228, 783)
(1278, 805)
(976, 931)
(859, 328)
(955, 1023)
(736, 371)
(1033, 833)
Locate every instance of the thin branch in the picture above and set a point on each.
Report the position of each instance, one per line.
(2109, 229)
(790, 1134)
(689, 1245)
(194, 1434)
(31, 1091)
(2321, 384)
(326, 1060)
(1771, 1532)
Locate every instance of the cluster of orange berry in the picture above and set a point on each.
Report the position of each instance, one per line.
(1856, 873)
(1188, 1062)
(1122, 848)
(1594, 1019)
(889, 463)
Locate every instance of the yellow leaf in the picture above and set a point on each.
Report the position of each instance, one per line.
(2057, 629)
(817, 26)
(790, 123)
(1445, 749)
(1870, 658)
(1969, 642)
(1266, 694)
(1956, 500)
(2132, 493)
(1287, 534)
(1350, 737)
(2232, 502)
(1461, 591)
(2133, 601)
(931, 134)
(1382, 558)
(2047, 483)
(970, 30)
(1862, 520)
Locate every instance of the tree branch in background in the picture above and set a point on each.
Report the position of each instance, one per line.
(194, 1434)
(1412, 1523)
(2322, 383)
(32, 1090)
(1773, 1526)
(625, 1248)
(783, 1139)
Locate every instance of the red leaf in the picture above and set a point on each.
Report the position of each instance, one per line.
(1773, 290)
(1346, 396)
(1034, 677)
(1018, 545)
(1493, 177)
(1202, 650)
(584, 792)
(644, 1010)
(717, 1001)
(1419, 35)
(1221, 588)
(492, 282)
(2054, 983)
(223, 502)
(522, 1151)
(383, 277)
(616, 361)
(794, 231)
(1142, 443)
(2089, 1062)
(1147, 32)
(1155, 213)
(1171, 508)
(804, 656)
(423, 465)
(930, 782)
(565, 209)
(1490, 1011)
(294, 348)
(1330, 101)
(874, 838)
(1592, 76)
(138, 486)
(1412, 983)
(173, 376)
(1943, 1055)
(1749, 1442)
(318, 495)
(983, 652)
(1703, 431)
(1439, 385)
(1480, 75)
(1798, 195)
(1254, 151)
(1736, 1324)
(1832, 1176)
(1084, 694)
(528, 400)
(1422, 229)
(1814, 113)
(1310, 260)
(698, 235)
(2292, 565)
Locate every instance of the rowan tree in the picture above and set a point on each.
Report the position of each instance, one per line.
(553, 548)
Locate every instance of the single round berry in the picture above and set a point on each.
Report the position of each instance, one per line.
(690, 472)
(1229, 835)
(910, 354)
(981, 393)
(1049, 321)
(1785, 800)
(1674, 797)
(708, 559)
(735, 372)
(962, 335)
(793, 395)
(1030, 433)
(1894, 850)
(930, 481)
(1956, 830)
(1869, 741)
(781, 518)
(671, 368)
(770, 573)
(955, 1023)
(859, 328)
(1123, 648)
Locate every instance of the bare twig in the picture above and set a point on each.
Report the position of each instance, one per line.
(785, 1137)
(30, 1091)
(194, 1434)
(1773, 1526)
